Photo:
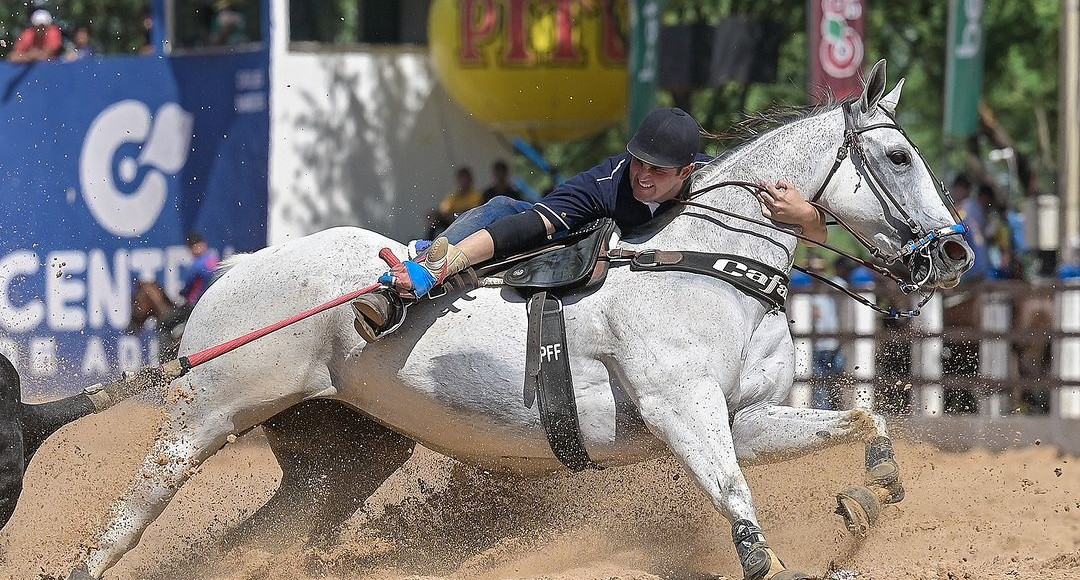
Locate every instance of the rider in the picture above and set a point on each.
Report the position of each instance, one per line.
(631, 188)
(204, 261)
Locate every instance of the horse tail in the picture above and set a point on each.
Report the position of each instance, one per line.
(228, 263)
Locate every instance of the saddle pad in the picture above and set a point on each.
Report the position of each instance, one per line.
(566, 266)
(548, 379)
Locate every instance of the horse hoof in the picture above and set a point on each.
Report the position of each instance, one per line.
(859, 507)
(80, 573)
(886, 476)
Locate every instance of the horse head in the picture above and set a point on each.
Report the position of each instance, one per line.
(879, 172)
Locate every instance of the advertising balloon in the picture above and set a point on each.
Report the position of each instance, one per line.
(543, 70)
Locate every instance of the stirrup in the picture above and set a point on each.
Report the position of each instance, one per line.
(396, 310)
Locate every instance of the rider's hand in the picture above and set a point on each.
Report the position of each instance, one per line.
(409, 277)
(784, 203)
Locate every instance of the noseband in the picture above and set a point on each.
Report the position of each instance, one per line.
(920, 241)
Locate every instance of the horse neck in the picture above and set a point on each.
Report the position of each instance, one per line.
(801, 152)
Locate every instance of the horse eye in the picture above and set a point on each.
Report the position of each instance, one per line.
(899, 157)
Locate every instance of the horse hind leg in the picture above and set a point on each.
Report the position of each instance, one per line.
(181, 445)
(774, 433)
(332, 459)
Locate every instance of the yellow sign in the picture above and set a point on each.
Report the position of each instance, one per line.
(543, 70)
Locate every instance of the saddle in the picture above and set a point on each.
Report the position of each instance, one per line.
(569, 264)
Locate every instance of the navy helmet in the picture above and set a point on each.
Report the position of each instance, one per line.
(668, 137)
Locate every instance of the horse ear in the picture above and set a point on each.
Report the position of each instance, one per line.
(890, 100)
(875, 87)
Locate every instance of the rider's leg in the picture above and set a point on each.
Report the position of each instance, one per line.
(482, 216)
(379, 312)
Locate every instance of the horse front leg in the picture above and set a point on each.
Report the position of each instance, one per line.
(691, 419)
(771, 433)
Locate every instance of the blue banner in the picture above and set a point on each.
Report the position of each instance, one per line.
(105, 166)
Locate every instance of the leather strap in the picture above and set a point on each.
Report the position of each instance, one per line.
(547, 372)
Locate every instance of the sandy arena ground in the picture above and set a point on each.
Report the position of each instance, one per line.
(970, 516)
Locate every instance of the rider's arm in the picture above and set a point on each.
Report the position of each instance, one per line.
(570, 205)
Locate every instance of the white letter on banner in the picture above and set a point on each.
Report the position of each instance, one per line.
(147, 262)
(129, 353)
(971, 35)
(43, 356)
(61, 290)
(29, 316)
(94, 361)
(106, 293)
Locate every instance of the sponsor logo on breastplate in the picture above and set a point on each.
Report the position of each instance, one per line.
(769, 284)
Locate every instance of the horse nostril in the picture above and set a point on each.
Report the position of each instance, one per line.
(955, 250)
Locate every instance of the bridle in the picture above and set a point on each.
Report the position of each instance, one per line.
(919, 244)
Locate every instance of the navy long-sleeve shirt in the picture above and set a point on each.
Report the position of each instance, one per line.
(603, 191)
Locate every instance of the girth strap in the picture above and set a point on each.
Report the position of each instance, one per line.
(548, 379)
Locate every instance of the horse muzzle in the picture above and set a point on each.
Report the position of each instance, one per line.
(943, 262)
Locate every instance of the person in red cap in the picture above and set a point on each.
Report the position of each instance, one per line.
(631, 188)
(42, 41)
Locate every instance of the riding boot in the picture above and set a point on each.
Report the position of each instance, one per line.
(377, 313)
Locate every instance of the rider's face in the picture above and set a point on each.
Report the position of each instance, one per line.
(656, 184)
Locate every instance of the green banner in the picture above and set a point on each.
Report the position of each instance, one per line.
(644, 61)
(964, 67)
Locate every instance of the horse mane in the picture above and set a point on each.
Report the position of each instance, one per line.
(758, 123)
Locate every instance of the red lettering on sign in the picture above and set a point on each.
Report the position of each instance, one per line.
(518, 50)
(614, 50)
(477, 23)
(565, 50)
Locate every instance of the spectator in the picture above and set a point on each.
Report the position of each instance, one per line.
(228, 26)
(41, 42)
(196, 282)
(500, 175)
(463, 198)
(996, 234)
(974, 217)
(147, 48)
(82, 47)
(829, 361)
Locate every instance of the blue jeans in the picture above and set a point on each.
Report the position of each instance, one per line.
(481, 216)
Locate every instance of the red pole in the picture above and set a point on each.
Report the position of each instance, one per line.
(213, 352)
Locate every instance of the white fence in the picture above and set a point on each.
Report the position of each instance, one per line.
(997, 364)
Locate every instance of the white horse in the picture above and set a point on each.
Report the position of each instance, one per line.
(705, 366)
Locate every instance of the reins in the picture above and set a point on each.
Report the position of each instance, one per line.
(918, 246)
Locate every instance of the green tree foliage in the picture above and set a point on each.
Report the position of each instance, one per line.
(1020, 81)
